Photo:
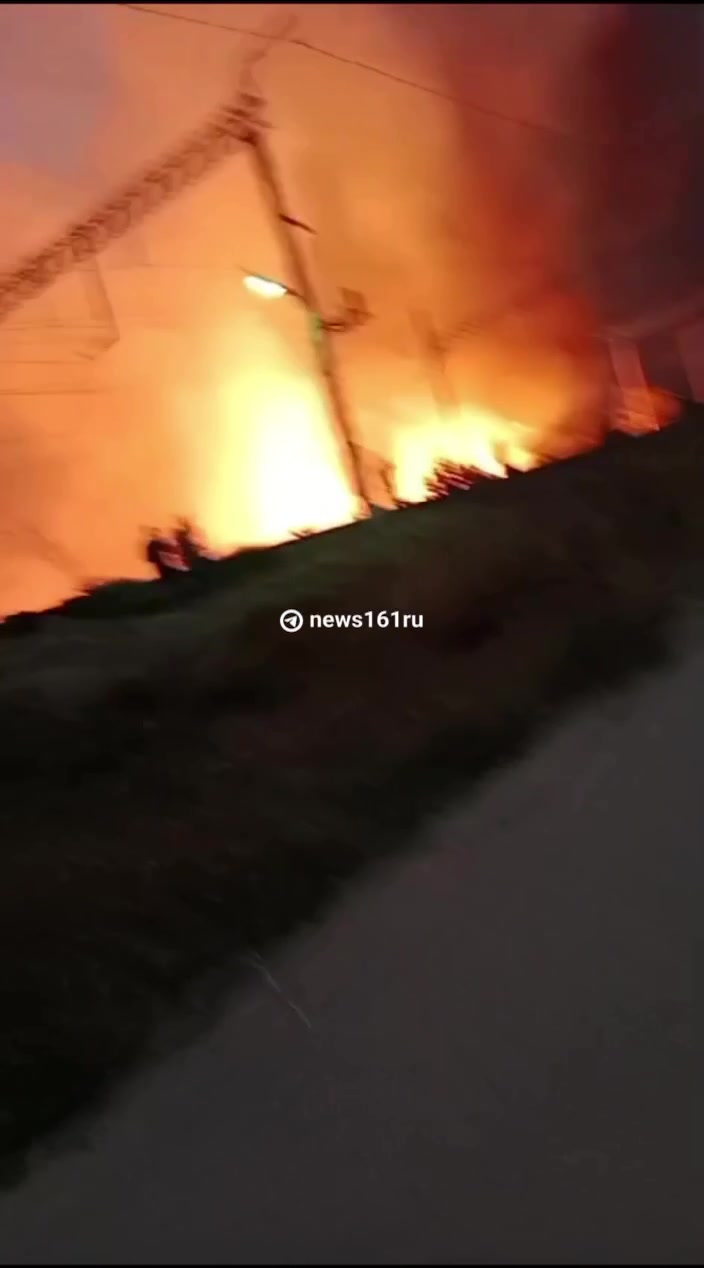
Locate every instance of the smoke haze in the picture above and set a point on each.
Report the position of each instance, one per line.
(155, 385)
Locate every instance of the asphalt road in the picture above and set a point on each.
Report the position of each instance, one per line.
(493, 1052)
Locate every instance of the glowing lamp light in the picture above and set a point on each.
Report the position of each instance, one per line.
(265, 287)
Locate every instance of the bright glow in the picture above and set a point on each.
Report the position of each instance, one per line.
(275, 466)
(469, 435)
(646, 409)
(265, 287)
(268, 464)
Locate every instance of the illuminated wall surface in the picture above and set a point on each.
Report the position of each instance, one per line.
(434, 151)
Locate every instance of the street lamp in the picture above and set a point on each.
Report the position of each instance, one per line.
(354, 312)
(320, 330)
(265, 287)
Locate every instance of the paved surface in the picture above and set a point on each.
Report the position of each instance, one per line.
(493, 1052)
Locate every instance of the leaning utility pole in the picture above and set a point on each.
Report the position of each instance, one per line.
(319, 329)
(235, 125)
(435, 358)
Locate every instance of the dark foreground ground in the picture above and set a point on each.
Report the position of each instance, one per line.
(493, 1053)
(179, 791)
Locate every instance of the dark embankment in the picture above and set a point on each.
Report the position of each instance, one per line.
(181, 786)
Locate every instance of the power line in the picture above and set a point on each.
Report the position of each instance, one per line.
(665, 132)
(69, 391)
(668, 130)
(476, 107)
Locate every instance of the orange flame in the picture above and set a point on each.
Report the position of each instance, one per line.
(276, 466)
(470, 435)
(273, 464)
(646, 409)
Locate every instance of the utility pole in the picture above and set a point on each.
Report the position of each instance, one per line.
(320, 330)
(434, 355)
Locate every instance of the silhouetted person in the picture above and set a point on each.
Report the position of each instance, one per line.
(191, 549)
(160, 553)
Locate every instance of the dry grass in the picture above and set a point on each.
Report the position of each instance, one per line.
(185, 786)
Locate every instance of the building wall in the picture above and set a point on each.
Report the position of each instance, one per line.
(664, 364)
(691, 343)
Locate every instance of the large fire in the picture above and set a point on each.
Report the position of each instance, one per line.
(295, 479)
(468, 434)
(203, 409)
(243, 441)
(274, 464)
